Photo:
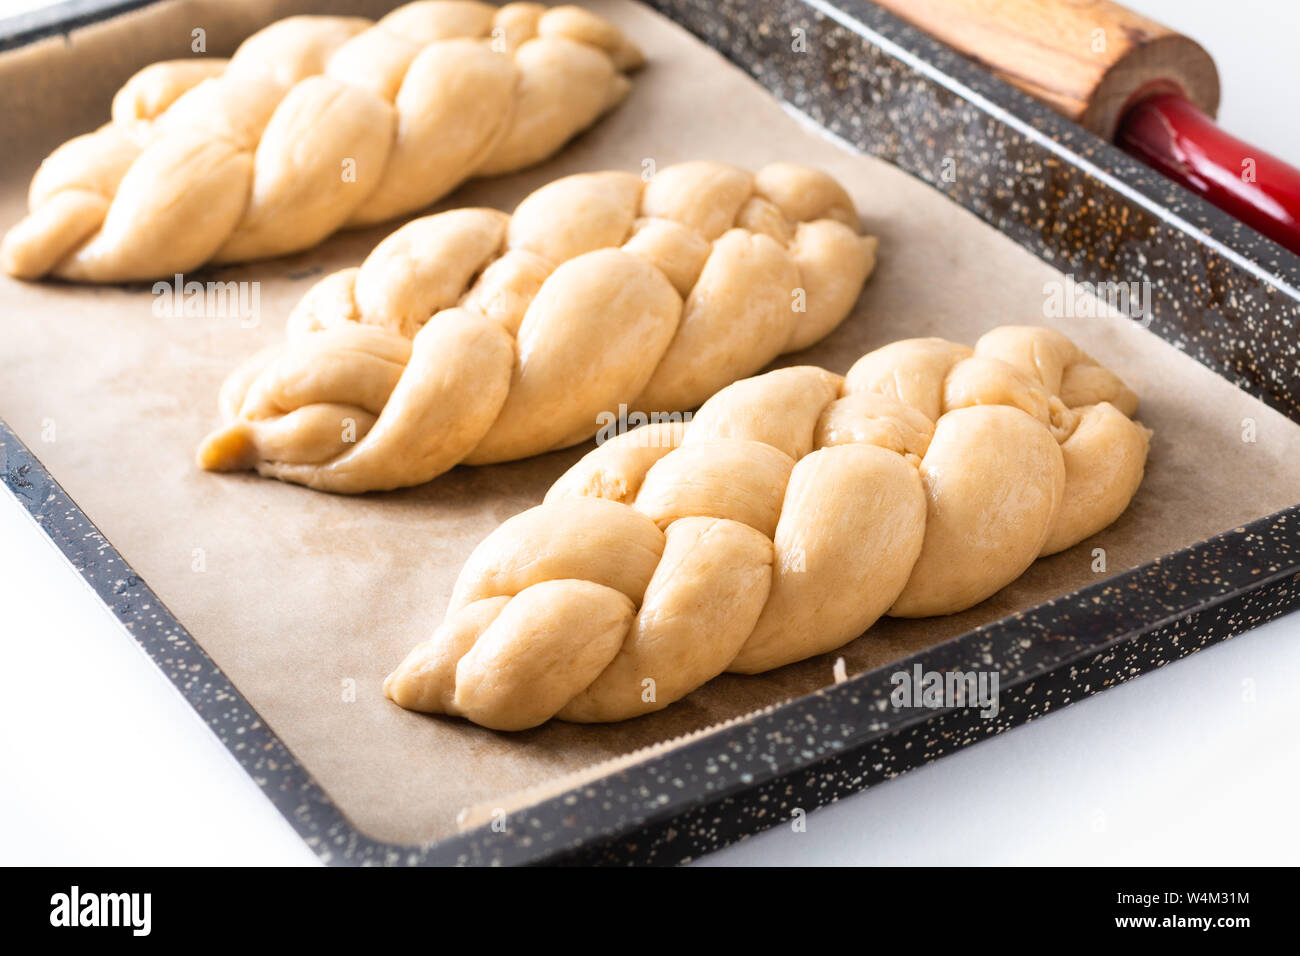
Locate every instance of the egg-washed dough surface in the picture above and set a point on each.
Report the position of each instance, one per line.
(301, 592)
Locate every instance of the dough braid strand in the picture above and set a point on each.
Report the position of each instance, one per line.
(315, 124)
(793, 511)
(472, 336)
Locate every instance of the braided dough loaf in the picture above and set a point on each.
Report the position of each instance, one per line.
(793, 511)
(315, 124)
(472, 336)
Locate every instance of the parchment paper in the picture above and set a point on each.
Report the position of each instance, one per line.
(296, 593)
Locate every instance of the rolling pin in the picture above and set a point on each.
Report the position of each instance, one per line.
(1150, 90)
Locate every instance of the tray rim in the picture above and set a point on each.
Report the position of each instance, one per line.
(29, 26)
(572, 823)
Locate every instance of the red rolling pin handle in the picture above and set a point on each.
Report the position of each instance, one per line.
(1171, 134)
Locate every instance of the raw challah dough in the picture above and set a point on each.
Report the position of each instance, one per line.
(472, 336)
(793, 511)
(315, 124)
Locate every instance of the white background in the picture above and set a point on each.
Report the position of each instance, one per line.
(102, 762)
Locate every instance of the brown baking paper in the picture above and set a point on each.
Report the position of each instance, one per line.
(299, 596)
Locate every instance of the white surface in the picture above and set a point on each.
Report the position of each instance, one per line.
(103, 762)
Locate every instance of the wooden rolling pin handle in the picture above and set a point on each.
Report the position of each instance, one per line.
(1090, 60)
(1125, 78)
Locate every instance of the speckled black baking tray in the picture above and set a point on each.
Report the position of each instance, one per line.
(1227, 296)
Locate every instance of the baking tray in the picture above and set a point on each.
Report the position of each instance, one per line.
(1226, 296)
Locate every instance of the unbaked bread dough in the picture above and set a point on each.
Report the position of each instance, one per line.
(315, 124)
(472, 336)
(793, 511)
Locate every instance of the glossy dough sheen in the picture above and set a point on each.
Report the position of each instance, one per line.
(315, 124)
(793, 511)
(472, 336)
